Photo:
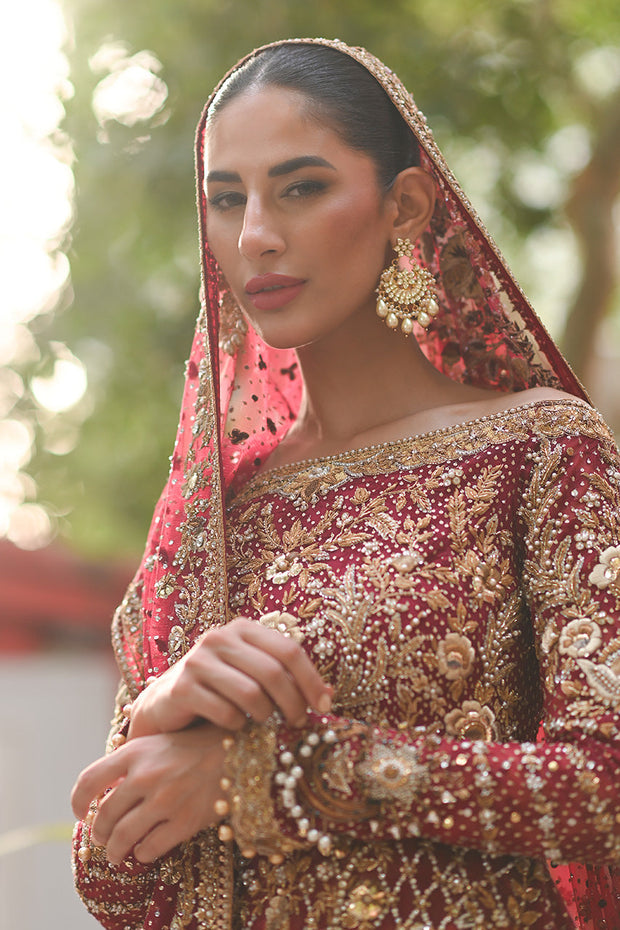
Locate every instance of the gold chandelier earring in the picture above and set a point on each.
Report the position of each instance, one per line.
(406, 291)
(233, 324)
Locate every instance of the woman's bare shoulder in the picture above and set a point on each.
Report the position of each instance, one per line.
(531, 395)
(499, 402)
(486, 403)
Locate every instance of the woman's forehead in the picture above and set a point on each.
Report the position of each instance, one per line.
(276, 105)
(268, 121)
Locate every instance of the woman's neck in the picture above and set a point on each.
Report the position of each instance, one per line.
(365, 376)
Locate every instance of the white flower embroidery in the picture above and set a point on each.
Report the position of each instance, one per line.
(282, 569)
(580, 638)
(608, 569)
(549, 638)
(455, 656)
(284, 623)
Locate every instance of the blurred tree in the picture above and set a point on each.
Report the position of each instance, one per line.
(523, 88)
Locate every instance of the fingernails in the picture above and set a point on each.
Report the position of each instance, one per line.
(303, 720)
(324, 704)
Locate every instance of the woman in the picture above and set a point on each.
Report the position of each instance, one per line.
(380, 560)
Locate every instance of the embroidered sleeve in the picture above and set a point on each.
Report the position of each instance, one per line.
(557, 798)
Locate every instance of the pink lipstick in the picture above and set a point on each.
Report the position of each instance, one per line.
(272, 291)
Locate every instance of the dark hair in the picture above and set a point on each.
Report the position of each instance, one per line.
(344, 94)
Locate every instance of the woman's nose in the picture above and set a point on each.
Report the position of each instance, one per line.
(259, 234)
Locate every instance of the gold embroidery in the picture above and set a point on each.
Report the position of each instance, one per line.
(127, 639)
(392, 774)
(250, 766)
(420, 635)
(408, 632)
(455, 657)
(471, 722)
(284, 623)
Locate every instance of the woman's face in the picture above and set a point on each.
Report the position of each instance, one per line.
(296, 218)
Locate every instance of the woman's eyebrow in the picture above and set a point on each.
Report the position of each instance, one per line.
(227, 177)
(303, 161)
(285, 167)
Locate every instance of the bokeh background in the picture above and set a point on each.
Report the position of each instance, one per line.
(98, 296)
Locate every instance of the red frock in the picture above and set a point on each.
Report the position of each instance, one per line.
(455, 589)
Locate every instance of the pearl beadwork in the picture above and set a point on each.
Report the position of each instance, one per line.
(288, 779)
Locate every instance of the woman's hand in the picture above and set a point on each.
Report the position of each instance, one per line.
(162, 792)
(235, 671)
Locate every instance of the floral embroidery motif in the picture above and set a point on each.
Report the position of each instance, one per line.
(455, 656)
(165, 586)
(580, 638)
(391, 774)
(472, 721)
(490, 580)
(549, 638)
(459, 278)
(283, 568)
(608, 569)
(284, 623)
(177, 643)
(407, 562)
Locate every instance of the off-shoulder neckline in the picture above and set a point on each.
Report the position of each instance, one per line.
(303, 464)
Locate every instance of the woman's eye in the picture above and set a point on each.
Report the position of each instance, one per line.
(304, 189)
(226, 200)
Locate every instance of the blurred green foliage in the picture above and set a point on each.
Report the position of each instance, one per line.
(498, 74)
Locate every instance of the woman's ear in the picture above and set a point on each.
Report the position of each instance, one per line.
(413, 195)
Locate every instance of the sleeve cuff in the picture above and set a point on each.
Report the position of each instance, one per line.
(291, 789)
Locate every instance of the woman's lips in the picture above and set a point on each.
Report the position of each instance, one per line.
(272, 291)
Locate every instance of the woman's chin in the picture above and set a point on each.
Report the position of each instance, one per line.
(285, 337)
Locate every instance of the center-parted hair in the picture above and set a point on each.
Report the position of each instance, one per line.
(341, 94)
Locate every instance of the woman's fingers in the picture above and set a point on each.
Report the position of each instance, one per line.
(151, 815)
(164, 836)
(164, 792)
(227, 696)
(135, 826)
(251, 684)
(94, 780)
(150, 830)
(279, 665)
